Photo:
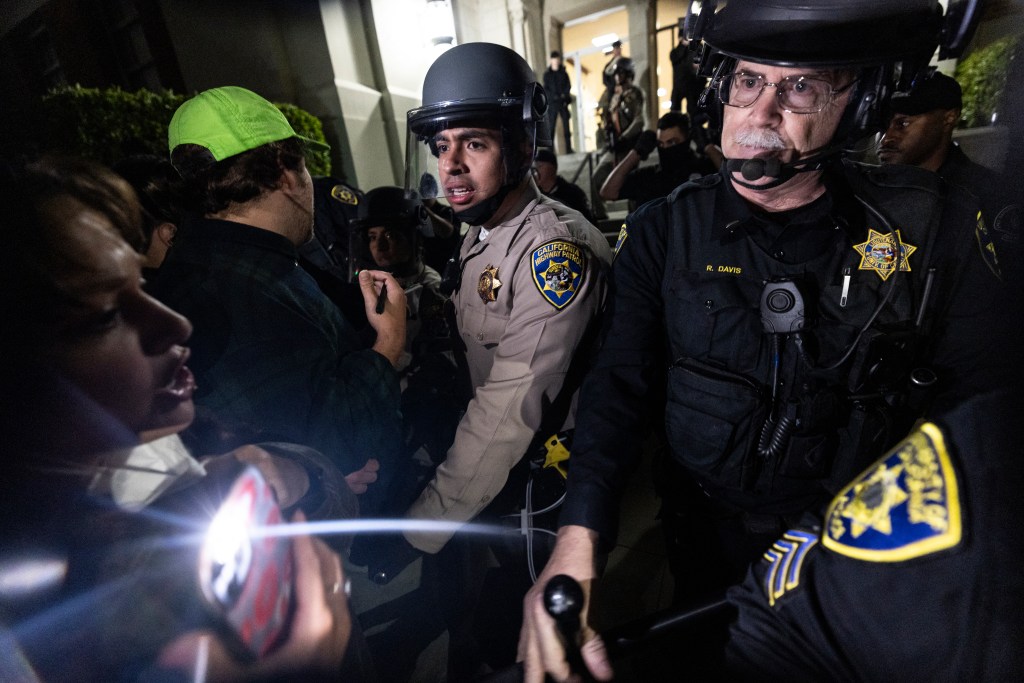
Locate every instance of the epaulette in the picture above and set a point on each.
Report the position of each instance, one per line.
(703, 183)
(892, 175)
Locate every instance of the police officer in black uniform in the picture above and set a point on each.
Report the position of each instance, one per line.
(798, 313)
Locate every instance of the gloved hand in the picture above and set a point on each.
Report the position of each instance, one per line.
(645, 144)
(388, 556)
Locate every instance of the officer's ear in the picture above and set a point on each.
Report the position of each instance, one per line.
(950, 119)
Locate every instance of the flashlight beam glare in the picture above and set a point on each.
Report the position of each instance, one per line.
(356, 526)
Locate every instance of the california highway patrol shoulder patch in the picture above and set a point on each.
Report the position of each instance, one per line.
(558, 271)
(904, 506)
(344, 195)
(878, 253)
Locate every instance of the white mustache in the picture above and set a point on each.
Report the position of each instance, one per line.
(763, 138)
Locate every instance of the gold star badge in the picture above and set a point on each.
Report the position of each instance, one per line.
(344, 195)
(487, 286)
(878, 253)
(873, 501)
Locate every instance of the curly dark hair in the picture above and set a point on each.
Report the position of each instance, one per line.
(215, 185)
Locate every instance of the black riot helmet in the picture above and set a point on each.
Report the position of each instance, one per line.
(887, 43)
(480, 83)
(400, 212)
(395, 208)
(625, 66)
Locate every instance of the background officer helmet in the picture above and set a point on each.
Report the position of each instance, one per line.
(625, 66)
(890, 42)
(398, 211)
(479, 82)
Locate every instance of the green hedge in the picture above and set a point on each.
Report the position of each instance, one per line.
(982, 75)
(108, 124)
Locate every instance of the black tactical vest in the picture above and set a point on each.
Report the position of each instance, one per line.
(769, 422)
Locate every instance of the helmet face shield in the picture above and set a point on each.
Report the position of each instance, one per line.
(421, 167)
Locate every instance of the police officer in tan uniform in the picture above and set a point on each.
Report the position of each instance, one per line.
(531, 272)
(530, 281)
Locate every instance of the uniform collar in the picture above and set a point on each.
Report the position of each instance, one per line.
(812, 223)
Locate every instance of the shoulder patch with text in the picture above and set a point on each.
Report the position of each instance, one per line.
(878, 253)
(558, 271)
(904, 506)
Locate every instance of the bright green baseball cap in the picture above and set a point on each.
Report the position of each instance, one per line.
(231, 120)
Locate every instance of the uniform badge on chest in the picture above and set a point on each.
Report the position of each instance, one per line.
(878, 253)
(487, 285)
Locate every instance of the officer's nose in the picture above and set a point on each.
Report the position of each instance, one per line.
(453, 161)
(766, 108)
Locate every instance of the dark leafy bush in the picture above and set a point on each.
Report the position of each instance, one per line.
(108, 124)
(982, 75)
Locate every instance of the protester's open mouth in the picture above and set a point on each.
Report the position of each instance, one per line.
(182, 384)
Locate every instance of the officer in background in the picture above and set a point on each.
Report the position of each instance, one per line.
(390, 238)
(800, 314)
(329, 257)
(545, 171)
(608, 76)
(335, 206)
(530, 286)
(558, 89)
(624, 121)
(920, 133)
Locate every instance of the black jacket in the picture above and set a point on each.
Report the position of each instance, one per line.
(557, 87)
(684, 319)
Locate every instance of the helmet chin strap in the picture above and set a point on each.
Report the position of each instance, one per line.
(770, 167)
(485, 210)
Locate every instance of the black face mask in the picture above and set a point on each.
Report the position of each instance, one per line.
(675, 158)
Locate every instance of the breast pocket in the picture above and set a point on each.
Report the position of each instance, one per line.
(712, 419)
(715, 320)
(480, 328)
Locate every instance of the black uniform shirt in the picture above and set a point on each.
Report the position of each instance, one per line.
(686, 282)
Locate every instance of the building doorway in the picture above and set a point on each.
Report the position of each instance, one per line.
(586, 44)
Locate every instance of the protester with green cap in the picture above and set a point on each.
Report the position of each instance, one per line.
(273, 357)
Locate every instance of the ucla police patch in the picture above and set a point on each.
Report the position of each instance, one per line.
(878, 253)
(904, 506)
(558, 271)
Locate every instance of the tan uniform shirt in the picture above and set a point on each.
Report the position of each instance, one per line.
(528, 292)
